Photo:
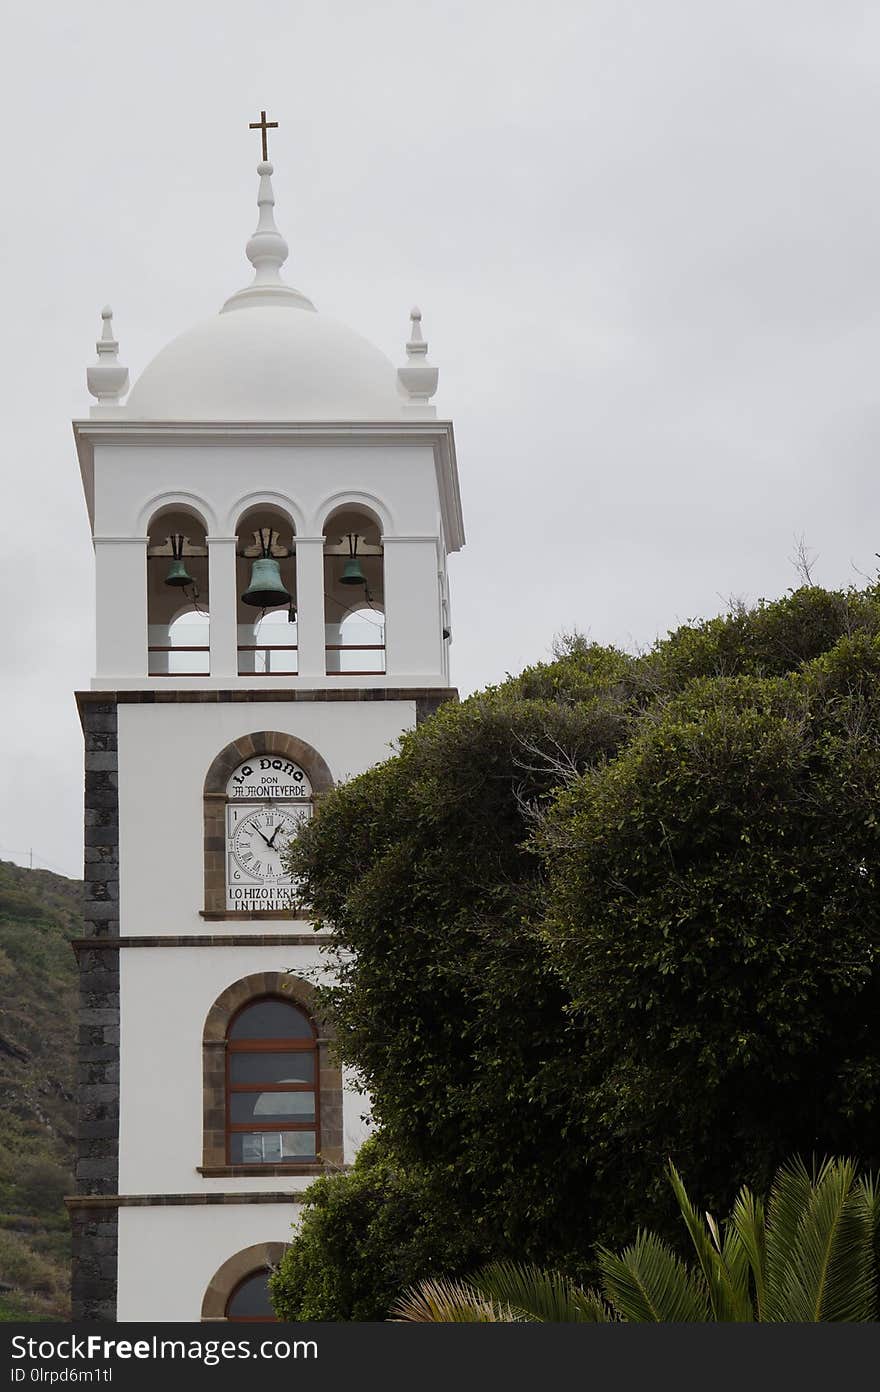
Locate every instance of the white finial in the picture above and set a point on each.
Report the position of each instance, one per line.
(107, 379)
(267, 252)
(416, 347)
(417, 378)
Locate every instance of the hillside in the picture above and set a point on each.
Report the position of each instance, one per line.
(39, 914)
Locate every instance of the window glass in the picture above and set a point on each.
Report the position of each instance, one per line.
(262, 1107)
(260, 1067)
(271, 1147)
(271, 1019)
(250, 1300)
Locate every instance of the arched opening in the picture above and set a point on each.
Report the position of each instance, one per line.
(354, 594)
(266, 589)
(178, 623)
(239, 1289)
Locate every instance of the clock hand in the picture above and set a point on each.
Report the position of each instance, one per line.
(259, 833)
(270, 843)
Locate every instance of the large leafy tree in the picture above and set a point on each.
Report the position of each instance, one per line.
(446, 999)
(713, 913)
(615, 909)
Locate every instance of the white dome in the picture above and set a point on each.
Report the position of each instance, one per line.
(267, 362)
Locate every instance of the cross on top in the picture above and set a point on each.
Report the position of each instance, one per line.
(263, 126)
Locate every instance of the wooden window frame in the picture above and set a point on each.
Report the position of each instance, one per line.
(272, 1046)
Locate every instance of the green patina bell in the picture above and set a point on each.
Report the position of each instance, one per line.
(266, 590)
(178, 575)
(352, 573)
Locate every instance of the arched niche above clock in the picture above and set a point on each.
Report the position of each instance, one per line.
(258, 791)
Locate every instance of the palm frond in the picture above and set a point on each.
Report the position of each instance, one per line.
(648, 1283)
(748, 1222)
(547, 1297)
(726, 1283)
(829, 1276)
(789, 1199)
(447, 1302)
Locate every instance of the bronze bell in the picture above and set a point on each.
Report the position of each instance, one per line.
(178, 576)
(352, 573)
(266, 590)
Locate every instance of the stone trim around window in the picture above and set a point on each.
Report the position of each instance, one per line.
(261, 1257)
(288, 987)
(227, 761)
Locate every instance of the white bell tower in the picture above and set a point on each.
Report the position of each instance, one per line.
(272, 508)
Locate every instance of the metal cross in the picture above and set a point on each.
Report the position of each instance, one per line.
(262, 126)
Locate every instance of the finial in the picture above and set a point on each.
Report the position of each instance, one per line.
(107, 379)
(417, 378)
(267, 251)
(416, 346)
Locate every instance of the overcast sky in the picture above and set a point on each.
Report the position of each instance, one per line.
(645, 238)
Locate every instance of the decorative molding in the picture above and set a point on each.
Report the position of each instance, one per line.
(204, 940)
(247, 696)
(256, 915)
(133, 540)
(79, 1203)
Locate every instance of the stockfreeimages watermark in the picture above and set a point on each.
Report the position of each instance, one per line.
(96, 1348)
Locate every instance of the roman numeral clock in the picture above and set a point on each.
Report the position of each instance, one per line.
(268, 801)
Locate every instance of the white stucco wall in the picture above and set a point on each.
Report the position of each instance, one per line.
(165, 996)
(167, 1256)
(165, 752)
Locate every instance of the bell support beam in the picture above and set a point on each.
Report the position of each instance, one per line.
(222, 590)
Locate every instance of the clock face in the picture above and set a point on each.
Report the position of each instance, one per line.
(267, 802)
(257, 839)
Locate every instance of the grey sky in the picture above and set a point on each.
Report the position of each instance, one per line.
(645, 239)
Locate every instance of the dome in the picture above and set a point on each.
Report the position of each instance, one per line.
(267, 361)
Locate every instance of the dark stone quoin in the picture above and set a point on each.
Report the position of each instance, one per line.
(95, 1230)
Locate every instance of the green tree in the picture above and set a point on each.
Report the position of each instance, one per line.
(366, 1235)
(615, 909)
(713, 913)
(446, 1000)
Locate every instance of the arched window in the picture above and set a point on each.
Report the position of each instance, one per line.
(301, 1042)
(272, 1113)
(239, 1288)
(249, 1303)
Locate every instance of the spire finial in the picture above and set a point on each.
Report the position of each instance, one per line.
(417, 378)
(107, 379)
(266, 249)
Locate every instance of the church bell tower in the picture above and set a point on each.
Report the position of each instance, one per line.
(272, 506)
